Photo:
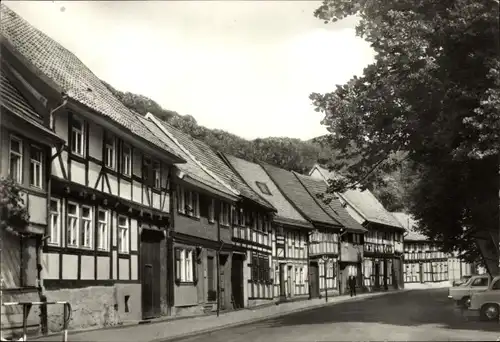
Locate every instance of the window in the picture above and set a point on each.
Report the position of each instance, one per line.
(109, 151)
(102, 230)
(86, 232)
(263, 188)
(36, 174)
(77, 137)
(188, 202)
(224, 217)
(122, 234)
(16, 159)
(211, 211)
(72, 225)
(480, 282)
(55, 221)
(157, 174)
(185, 265)
(127, 160)
(496, 286)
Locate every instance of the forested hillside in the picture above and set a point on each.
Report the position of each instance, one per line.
(288, 153)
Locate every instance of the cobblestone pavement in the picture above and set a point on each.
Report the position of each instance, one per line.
(160, 331)
(421, 315)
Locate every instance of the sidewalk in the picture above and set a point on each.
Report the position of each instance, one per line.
(178, 328)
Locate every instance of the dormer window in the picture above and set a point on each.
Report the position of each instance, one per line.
(77, 136)
(263, 188)
(110, 151)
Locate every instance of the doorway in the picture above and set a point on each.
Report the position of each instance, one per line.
(211, 284)
(314, 279)
(289, 281)
(282, 282)
(223, 258)
(377, 275)
(237, 281)
(150, 272)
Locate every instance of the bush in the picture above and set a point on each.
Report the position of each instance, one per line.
(14, 215)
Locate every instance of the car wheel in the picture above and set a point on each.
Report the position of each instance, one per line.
(465, 302)
(490, 312)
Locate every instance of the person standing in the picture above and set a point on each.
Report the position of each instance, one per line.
(352, 285)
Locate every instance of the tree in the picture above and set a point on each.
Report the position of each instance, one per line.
(14, 215)
(431, 94)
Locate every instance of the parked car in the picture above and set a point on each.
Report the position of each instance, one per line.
(486, 304)
(462, 294)
(461, 281)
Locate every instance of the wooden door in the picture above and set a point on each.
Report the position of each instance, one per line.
(377, 275)
(150, 273)
(222, 281)
(289, 281)
(314, 280)
(211, 292)
(282, 281)
(237, 281)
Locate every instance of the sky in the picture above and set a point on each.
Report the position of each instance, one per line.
(246, 67)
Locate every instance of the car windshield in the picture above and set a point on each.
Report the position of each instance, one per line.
(468, 281)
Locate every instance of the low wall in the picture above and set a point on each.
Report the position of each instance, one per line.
(422, 286)
(96, 306)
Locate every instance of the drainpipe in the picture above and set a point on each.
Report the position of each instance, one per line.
(339, 246)
(41, 243)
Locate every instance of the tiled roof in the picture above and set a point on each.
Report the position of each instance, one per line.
(191, 168)
(334, 208)
(69, 73)
(365, 203)
(288, 183)
(12, 100)
(253, 173)
(223, 171)
(410, 226)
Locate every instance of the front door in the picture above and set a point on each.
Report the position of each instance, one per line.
(282, 281)
(237, 281)
(222, 280)
(377, 275)
(150, 273)
(289, 281)
(211, 292)
(314, 279)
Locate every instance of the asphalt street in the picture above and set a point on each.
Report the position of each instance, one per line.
(420, 315)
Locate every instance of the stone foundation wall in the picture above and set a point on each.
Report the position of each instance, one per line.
(95, 307)
(259, 302)
(12, 316)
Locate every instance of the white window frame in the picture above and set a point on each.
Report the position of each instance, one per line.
(55, 222)
(181, 201)
(103, 230)
(187, 256)
(19, 176)
(110, 151)
(211, 211)
(156, 166)
(123, 234)
(127, 160)
(224, 216)
(70, 233)
(36, 165)
(77, 135)
(87, 228)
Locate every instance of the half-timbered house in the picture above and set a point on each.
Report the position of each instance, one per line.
(25, 144)
(383, 243)
(424, 262)
(323, 240)
(109, 188)
(289, 237)
(351, 235)
(251, 232)
(201, 231)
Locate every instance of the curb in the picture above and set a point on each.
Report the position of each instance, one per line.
(280, 314)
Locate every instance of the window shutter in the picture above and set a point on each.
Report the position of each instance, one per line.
(177, 264)
(195, 266)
